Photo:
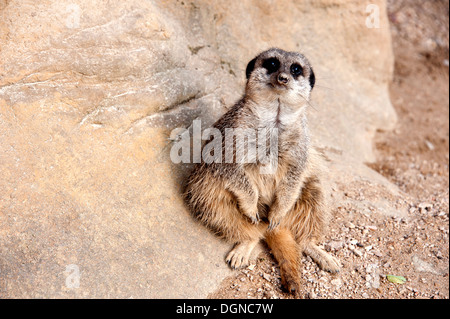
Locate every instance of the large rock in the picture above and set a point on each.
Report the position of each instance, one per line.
(89, 94)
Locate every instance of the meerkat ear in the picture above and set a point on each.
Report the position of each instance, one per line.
(250, 67)
(312, 79)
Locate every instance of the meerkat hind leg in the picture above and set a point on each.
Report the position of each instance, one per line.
(239, 256)
(322, 258)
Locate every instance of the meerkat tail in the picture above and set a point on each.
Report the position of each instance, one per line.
(285, 250)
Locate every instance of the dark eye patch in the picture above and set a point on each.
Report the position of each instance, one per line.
(312, 79)
(296, 70)
(271, 65)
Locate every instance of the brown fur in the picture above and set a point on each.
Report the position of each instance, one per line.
(286, 208)
(284, 248)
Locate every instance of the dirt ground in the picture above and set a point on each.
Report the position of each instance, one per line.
(415, 157)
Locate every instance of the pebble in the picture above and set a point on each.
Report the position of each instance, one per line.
(267, 277)
(425, 207)
(429, 145)
(334, 245)
(356, 251)
(377, 253)
(373, 276)
(423, 266)
(337, 282)
(350, 225)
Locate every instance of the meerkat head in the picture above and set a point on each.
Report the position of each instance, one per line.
(277, 74)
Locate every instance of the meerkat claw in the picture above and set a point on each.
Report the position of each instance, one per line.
(255, 219)
(273, 225)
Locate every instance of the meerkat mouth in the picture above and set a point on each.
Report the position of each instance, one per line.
(278, 87)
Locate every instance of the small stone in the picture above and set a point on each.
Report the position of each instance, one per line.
(373, 276)
(429, 145)
(357, 252)
(334, 245)
(267, 277)
(425, 207)
(423, 266)
(337, 282)
(377, 253)
(350, 225)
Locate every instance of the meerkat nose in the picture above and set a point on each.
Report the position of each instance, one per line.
(283, 78)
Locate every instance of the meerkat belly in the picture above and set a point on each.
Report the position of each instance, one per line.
(266, 185)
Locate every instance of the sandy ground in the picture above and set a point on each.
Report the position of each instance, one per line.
(415, 157)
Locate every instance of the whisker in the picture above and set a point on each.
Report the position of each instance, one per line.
(325, 87)
(309, 103)
(325, 78)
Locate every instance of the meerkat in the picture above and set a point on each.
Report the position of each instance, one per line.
(286, 207)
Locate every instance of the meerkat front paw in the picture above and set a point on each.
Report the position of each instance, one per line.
(274, 220)
(253, 215)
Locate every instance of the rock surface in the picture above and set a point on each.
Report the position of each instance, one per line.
(89, 94)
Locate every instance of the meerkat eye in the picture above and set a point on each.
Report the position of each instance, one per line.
(296, 70)
(271, 65)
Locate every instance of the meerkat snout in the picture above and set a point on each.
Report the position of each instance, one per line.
(283, 78)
